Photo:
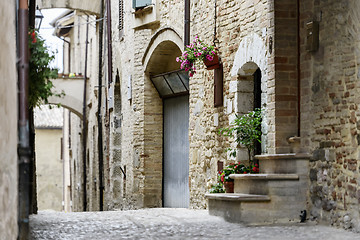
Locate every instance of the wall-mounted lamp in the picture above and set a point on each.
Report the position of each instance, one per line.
(38, 18)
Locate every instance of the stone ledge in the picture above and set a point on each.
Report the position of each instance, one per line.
(264, 176)
(286, 156)
(237, 197)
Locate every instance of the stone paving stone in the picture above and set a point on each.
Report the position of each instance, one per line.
(165, 223)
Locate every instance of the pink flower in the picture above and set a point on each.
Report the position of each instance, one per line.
(186, 69)
(191, 74)
(209, 57)
(178, 59)
(213, 53)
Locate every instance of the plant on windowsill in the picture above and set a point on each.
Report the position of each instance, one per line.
(198, 51)
(40, 72)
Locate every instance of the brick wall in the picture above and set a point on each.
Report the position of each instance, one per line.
(330, 111)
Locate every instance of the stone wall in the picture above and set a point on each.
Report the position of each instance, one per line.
(243, 32)
(8, 124)
(329, 117)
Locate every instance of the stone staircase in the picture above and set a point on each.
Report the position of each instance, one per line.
(276, 195)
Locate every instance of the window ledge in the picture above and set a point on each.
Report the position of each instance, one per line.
(146, 10)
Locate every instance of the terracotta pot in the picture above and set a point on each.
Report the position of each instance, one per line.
(215, 63)
(229, 187)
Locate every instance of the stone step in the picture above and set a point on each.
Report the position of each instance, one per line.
(253, 209)
(284, 163)
(237, 197)
(268, 184)
(264, 176)
(229, 205)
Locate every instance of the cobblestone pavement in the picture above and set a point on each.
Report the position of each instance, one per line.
(163, 223)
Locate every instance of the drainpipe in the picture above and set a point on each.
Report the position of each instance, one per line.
(298, 67)
(24, 151)
(108, 20)
(187, 23)
(99, 116)
(32, 191)
(84, 133)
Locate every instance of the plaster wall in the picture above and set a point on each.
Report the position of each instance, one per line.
(8, 124)
(49, 167)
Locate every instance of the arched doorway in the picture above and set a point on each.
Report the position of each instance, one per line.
(172, 87)
(249, 94)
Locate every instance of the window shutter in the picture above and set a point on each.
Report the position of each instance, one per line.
(141, 3)
(218, 86)
(121, 15)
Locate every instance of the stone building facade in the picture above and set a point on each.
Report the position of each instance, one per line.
(308, 95)
(8, 124)
(329, 116)
(307, 92)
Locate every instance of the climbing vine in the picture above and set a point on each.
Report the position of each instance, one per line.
(40, 72)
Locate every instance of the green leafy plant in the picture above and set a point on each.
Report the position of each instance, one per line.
(40, 72)
(246, 130)
(217, 188)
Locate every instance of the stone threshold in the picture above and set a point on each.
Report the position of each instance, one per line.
(237, 197)
(265, 176)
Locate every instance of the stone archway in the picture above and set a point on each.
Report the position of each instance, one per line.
(250, 61)
(160, 57)
(91, 6)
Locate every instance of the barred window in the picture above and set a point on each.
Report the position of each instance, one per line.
(121, 15)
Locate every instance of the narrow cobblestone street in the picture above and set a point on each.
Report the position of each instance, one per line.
(162, 223)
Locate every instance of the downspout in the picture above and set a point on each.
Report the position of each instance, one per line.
(84, 133)
(109, 42)
(24, 151)
(99, 116)
(298, 68)
(187, 23)
(32, 191)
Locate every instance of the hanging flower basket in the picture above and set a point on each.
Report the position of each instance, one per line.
(212, 62)
(197, 52)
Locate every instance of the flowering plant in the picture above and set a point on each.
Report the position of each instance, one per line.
(40, 72)
(236, 168)
(196, 51)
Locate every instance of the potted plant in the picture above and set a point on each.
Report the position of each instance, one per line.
(40, 72)
(246, 130)
(198, 51)
(224, 179)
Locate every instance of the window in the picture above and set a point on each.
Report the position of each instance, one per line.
(121, 15)
(141, 3)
